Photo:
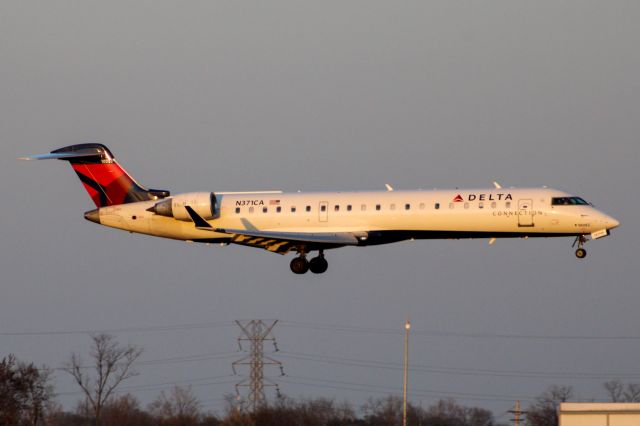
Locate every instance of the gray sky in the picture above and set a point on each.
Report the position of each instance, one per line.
(326, 96)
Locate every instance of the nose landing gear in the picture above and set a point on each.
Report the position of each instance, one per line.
(300, 265)
(581, 253)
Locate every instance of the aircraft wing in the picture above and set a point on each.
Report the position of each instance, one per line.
(277, 242)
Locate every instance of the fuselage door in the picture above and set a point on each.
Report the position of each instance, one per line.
(525, 213)
(323, 211)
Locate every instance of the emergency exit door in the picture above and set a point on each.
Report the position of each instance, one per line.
(525, 213)
(323, 211)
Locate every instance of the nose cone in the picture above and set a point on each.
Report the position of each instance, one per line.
(93, 216)
(609, 222)
(613, 223)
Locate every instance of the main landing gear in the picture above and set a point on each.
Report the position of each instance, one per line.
(581, 253)
(300, 265)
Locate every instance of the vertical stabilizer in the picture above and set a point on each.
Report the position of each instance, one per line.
(107, 183)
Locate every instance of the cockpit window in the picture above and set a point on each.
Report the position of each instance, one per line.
(568, 201)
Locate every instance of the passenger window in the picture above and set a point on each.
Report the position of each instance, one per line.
(250, 209)
(323, 208)
(278, 209)
(265, 209)
(293, 209)
(493, 205)
(437, 206)
(508, 204)
(421, 206)
(378, 207)
(481, 205)
(348, 207)
(308, 208)
(407, 206)
(237, 209)
(337, 208)
(392, 207)
(466, 205)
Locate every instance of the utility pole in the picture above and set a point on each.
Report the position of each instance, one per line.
(407, 327)
(517, 413)
(256, 332)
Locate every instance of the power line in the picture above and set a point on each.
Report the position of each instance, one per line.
(397, 389)
(435, 333)
(172, 360)
(164, 385)
(141, 329)
(360, 387)
(326, 327)
(448, 370)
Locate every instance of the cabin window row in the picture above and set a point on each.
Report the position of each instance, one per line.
(378, 207)
(482, 205)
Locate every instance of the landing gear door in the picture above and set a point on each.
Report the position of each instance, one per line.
(323, 211)
(525, 213)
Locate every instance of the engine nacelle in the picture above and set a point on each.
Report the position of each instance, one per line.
(203, 203)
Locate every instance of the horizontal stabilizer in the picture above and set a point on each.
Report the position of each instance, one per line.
(59, 156)
(107, 183)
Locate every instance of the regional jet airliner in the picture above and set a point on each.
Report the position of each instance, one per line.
(314, 222)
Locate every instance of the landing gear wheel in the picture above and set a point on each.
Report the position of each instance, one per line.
(581, 253)
(580, 240)
(299, 265)
(318, 265)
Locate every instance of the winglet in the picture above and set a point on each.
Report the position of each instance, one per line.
(389, 187)
(497, 185)
(198, 220)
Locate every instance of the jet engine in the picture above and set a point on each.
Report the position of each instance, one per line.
(203, 203)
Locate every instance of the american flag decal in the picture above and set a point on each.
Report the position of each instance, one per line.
(274, 202)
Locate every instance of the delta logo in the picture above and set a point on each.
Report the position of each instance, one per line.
(483, 197)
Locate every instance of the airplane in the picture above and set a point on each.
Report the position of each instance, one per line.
(314, 222)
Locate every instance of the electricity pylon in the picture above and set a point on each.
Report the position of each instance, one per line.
(517, 413)
(256, 332)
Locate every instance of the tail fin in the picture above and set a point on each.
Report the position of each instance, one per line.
(107, 183)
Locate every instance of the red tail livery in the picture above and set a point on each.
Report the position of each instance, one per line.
(107, 183)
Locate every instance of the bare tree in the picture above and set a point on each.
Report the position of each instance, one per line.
(544, 412)
(180, 406)
(124, 410)
(618, 392)
(632, 392)
(24, 392)
(38, 391)
(615, 388)
(111, 365)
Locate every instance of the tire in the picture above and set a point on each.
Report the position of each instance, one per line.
(318, 265)
(581, 253)
(299, 265)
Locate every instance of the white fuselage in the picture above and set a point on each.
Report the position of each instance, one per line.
(395, 215)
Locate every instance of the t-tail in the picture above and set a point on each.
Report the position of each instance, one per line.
(107, 183)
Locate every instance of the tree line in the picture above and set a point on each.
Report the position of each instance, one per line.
(27, 397)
